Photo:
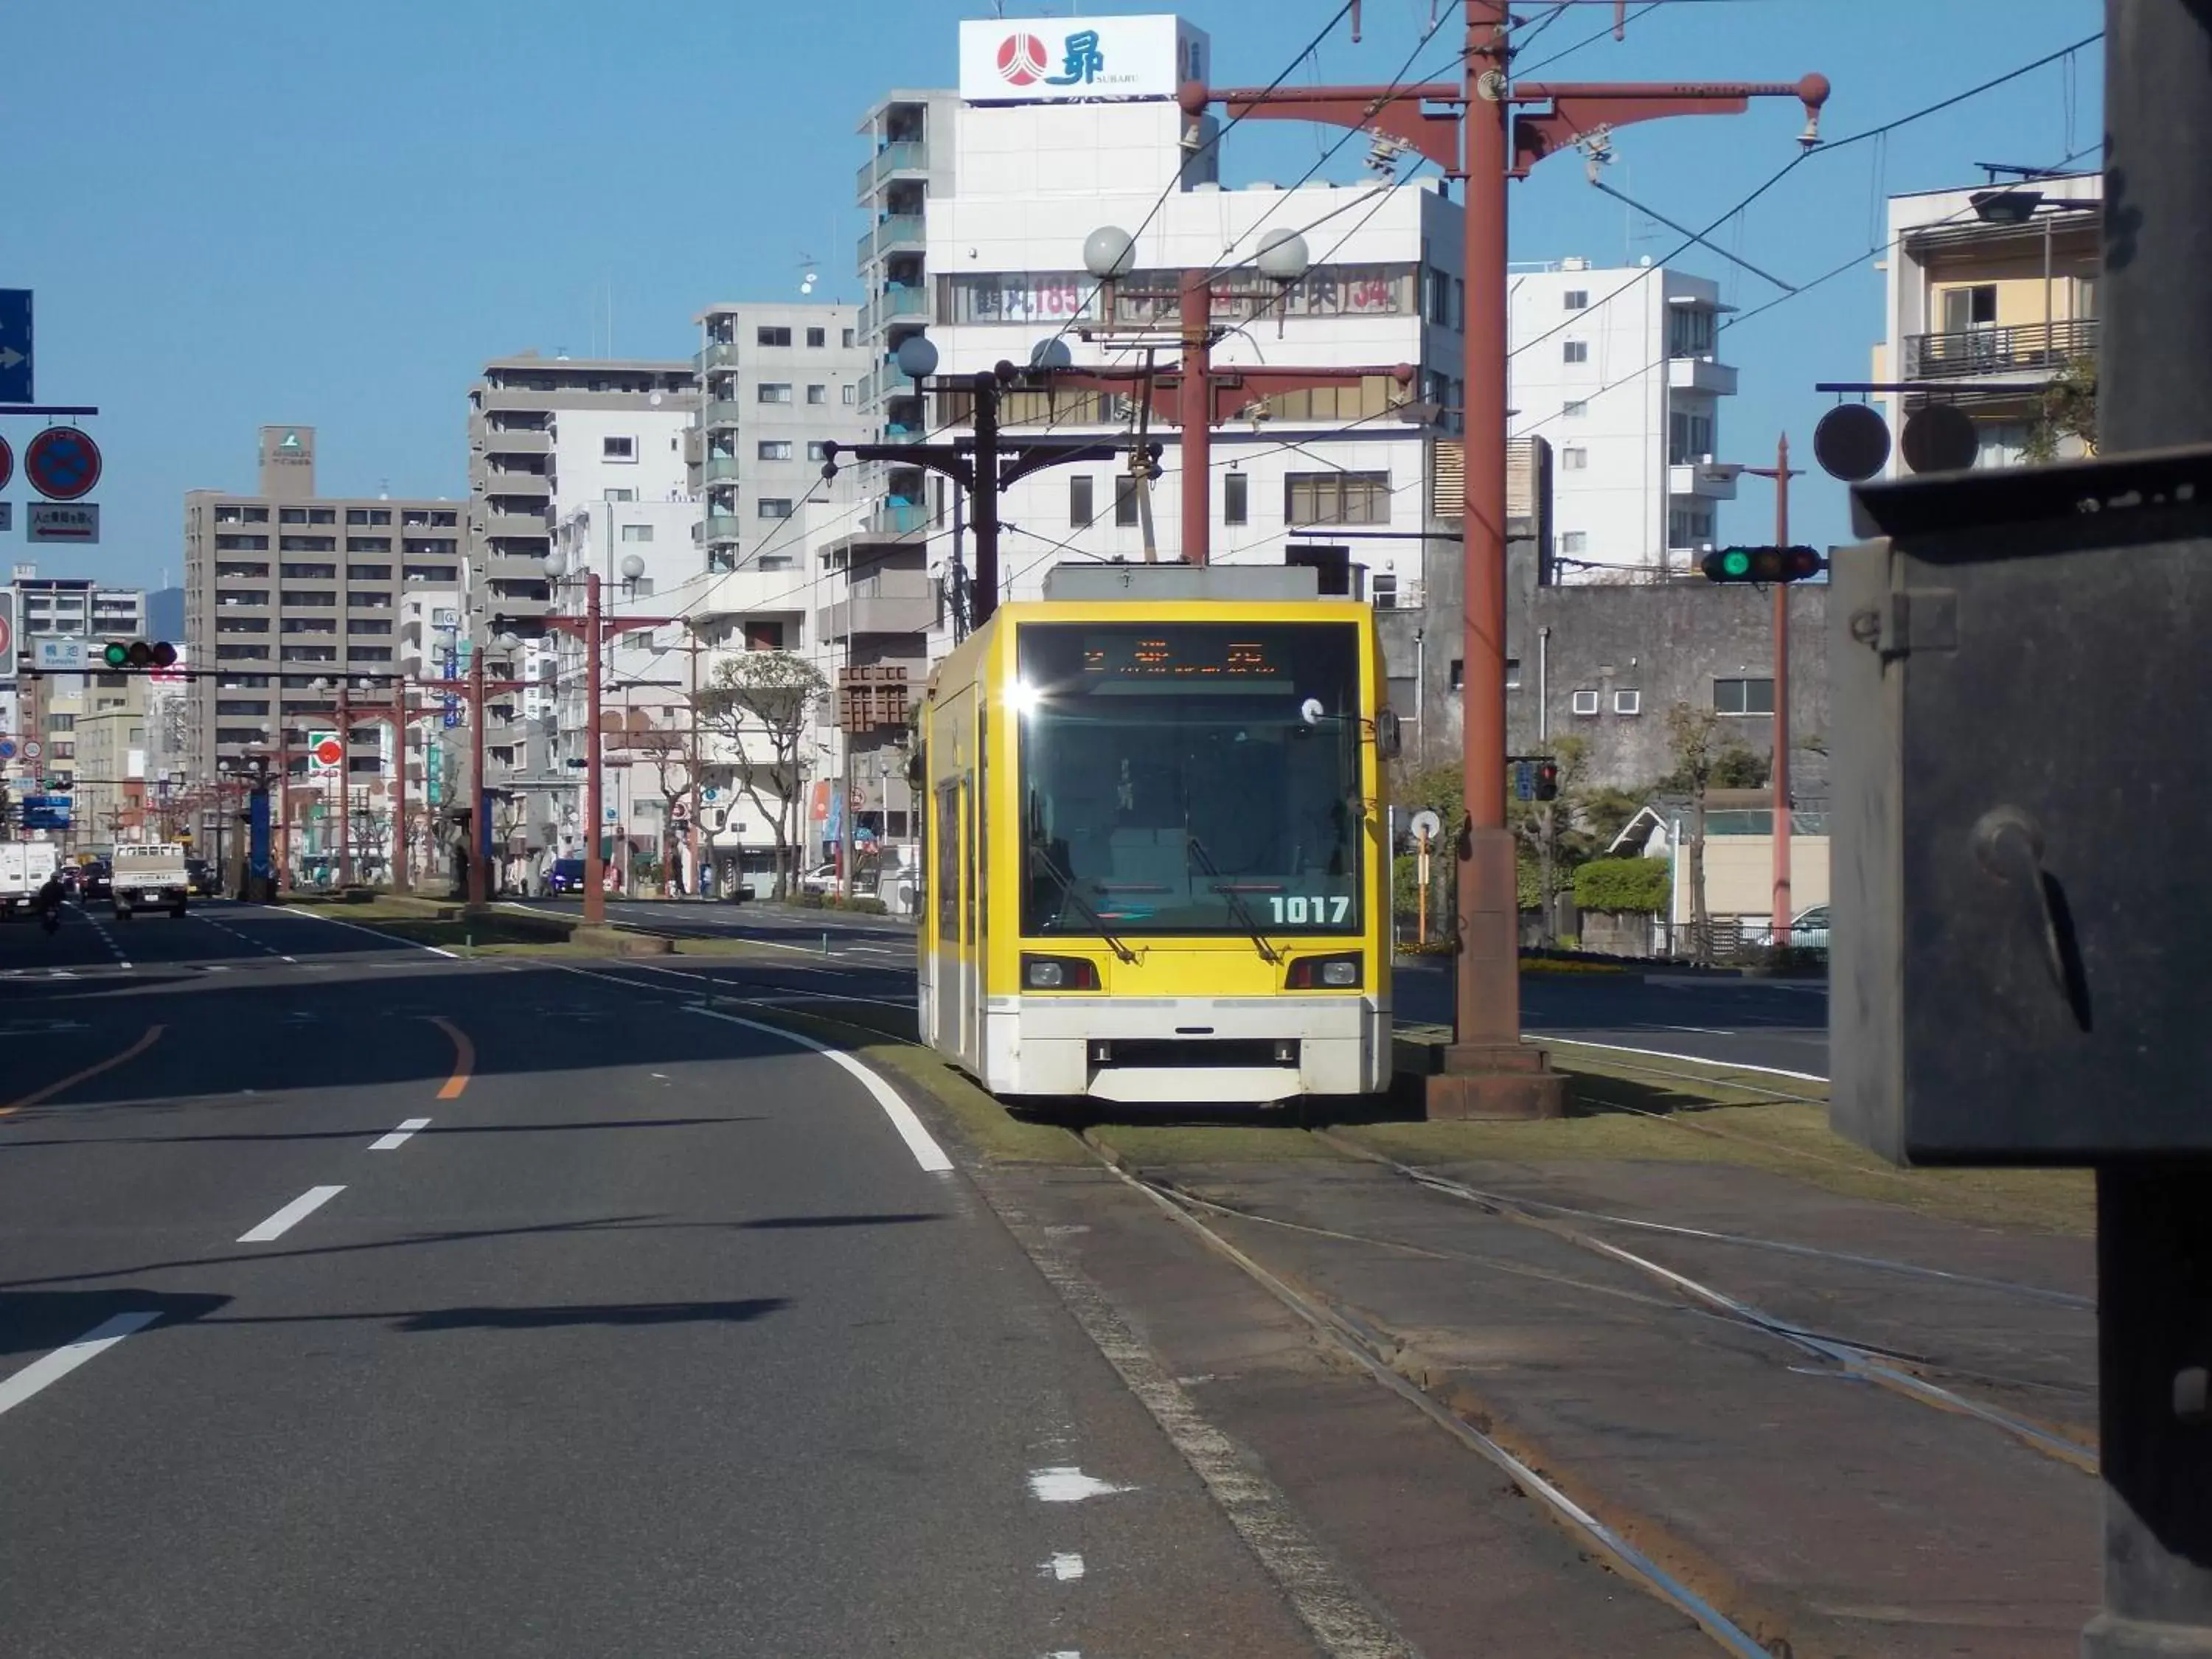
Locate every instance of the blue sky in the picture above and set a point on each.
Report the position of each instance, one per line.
(331, 215)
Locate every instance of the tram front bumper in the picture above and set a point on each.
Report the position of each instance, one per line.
(1167, 1050)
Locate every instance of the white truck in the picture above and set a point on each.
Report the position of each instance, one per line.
(25, 867)
(150, 876)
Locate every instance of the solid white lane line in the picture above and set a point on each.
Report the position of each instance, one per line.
(389, 939)
(52, 1368)
(1674, 1054)
(291, 1215)
(926, 1152)
(399, 1136)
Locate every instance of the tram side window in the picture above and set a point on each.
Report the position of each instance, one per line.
(948, 862)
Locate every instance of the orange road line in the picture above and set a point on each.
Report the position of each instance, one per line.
(464, 1058)
(152, 1035)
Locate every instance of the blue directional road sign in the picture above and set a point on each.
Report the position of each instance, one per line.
(15, 345)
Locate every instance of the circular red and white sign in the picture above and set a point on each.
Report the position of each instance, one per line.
(32, 748)
(7, 463)
(1021, 60)
(329, 752)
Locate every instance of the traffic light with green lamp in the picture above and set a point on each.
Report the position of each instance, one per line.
(140, 653)
(1763, 565)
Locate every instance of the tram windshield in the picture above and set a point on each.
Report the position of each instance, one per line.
(1189, 777)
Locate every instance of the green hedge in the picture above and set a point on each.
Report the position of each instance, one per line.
(1639, 884)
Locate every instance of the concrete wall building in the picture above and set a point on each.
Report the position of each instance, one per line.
(111, 741)
(776, 382)
(1987, 303)
(76, 607)
(1620, 371)
(288, 592)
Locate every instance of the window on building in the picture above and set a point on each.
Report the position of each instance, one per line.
(617, 449)
(292, 515)
(240, 543)
(1456, 677)
(609, 494)
(638, 639)
(1237, 499)
(1125, 500)
(816, 450)
(1969, 308)
(852, 394)
(1312, 498)
(818, 337)
(369, 543)
(1438, 309)
(1574, 409)
(1574, 541)
(1628, 702)
(1584, 702)
(1578, 299)
(773, 391)
(368, 573)
(1690, 331)
(847, 342)
(1689, 438)
(322, 515)
(1080, 509)
(1574, 459)
(427, 544)
(61, 722)
(771, 337)
(1689, 526)
(368, 601)
(369, 653)
(637, 533)
(1745, 696)
(773, 506)
(372, 626)
(447, 519)
(776, 561)
(1512, 673)
(308, 543)
(240, 653)
(309, 572)
(817, 394)
(721, 560)
(763, 635)
(773, 449)
(1575, 351)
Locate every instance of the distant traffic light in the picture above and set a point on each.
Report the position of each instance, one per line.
(1548, 780)
(140, 653)
(1763, 564)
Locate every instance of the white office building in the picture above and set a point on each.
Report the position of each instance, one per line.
(1619, 369)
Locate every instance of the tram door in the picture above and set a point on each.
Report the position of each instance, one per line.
(948, 1022)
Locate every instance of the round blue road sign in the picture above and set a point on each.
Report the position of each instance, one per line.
(62, 463)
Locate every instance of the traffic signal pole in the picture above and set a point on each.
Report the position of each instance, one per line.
(1487, 131)
(2154, 1215)
(1784, 906)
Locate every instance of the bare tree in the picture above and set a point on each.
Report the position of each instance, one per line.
(760, 703)
(666, 749)
(1690, 733)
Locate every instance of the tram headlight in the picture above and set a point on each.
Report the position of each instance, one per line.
(1058, 974)
(1323, 973)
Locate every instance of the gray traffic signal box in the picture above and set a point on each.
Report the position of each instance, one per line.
(2021, 681)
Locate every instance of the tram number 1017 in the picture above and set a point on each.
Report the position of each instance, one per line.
(1319, 910)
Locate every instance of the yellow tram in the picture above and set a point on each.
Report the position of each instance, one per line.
(1156, 849)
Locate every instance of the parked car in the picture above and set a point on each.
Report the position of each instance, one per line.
(1810, 931)
(821, 878)
(566, 875)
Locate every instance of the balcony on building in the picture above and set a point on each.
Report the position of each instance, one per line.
(2020, 349)
(897, 158)
(892, 233)
(722, 412)
(1693, 361)
(512, 526)
(881, 602)
(717, 354)
(1702, 477)
(721, 527)
(897, 303)
(513, 441)
(719, 469)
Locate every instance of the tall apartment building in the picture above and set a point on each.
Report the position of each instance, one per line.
(1619, 369)
(547, 433)
(288, 592)
(1987, 294)
(776, 382)
(1014, 176)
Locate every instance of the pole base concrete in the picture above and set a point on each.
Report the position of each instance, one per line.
(1495, 1080)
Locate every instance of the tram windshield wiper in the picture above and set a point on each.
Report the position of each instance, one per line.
(1245, 919)
(1067, 885)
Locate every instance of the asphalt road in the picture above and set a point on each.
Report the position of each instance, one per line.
(1770, 1025)
(354, 1299)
